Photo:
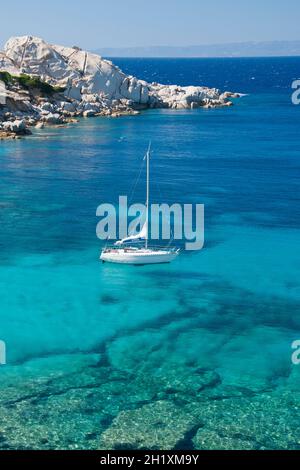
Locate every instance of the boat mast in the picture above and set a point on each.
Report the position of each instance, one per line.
(148, 193)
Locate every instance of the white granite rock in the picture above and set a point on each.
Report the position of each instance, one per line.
(67, 106)
(87, 85)
(17, 126)
(52, 118)
(47, 107)
(7, 64)
(89, 113)
(83, 74)
(40, 125)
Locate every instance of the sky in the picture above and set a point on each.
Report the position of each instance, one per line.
(93, 24)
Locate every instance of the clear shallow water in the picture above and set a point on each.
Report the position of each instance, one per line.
(209, 335)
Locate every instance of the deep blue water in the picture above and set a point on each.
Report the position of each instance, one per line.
(247, 75)
(232, 308)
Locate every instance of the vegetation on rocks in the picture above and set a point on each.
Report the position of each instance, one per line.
(29, 82)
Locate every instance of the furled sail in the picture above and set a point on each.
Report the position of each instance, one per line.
(142, 235)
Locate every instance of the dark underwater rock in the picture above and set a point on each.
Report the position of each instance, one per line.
(160, 425)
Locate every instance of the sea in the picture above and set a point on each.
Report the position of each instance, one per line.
(197, 354)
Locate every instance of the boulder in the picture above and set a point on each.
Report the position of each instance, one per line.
(95, 107)
(17, 126)
(68, 106)
(30, 121)
(49, 107)
(53, 118)
(40, 125)
(89, 113)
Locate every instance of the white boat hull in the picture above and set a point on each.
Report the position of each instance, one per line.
(138, 257)
(123, 253)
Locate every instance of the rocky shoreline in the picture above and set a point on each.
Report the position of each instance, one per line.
(43, 84)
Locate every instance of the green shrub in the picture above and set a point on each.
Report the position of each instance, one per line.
(6, 77)
(29, 82)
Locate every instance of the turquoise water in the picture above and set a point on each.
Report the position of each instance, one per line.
(196, 354)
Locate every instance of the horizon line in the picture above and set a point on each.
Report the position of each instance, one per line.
(200, 57)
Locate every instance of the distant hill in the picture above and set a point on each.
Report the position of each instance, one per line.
(242, 49)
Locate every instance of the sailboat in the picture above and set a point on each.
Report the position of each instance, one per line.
(124, 251)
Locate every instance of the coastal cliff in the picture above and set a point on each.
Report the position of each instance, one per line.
(50, 84)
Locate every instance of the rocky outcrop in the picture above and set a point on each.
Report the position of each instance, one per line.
(43, 80)
(12, 129)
